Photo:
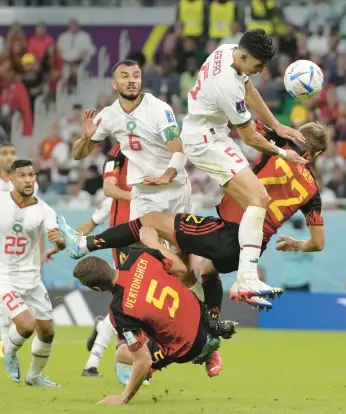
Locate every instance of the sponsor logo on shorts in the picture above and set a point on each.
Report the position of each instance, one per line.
(170, 116)
(241, 107)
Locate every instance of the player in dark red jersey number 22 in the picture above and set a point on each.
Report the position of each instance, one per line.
(149, 303)
(290, 186)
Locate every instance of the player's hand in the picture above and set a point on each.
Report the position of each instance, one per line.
(148, 235)
(112, 400)
(54, 235)
(48, 255)
(89, 128)
(163, 180)
(289, 133)
(292, 156)
(288, 244)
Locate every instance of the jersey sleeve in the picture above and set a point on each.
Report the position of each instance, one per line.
(50, 219)
(166, 122)
(312, 211)
(103, 130)
(231, 99)
(114, 162)
(102, 212)
(166, 262)
(126, 325)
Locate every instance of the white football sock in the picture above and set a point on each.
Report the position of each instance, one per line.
(197, 289)
(250, 240)
(14, 341)
(82, 243)
(40, 354)
(105, 333)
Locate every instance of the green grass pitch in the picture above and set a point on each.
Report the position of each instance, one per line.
(264, 372)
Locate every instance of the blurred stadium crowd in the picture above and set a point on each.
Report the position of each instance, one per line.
(39, 67)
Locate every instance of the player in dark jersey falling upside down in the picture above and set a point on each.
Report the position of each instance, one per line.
(149, 303)
(291, 187)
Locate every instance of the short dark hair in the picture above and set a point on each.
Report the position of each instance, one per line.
(258, 44)
(21, 164)
(126, 62)
(94, 272)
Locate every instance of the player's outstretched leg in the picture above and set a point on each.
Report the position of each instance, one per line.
(97, 344)
(40, 350)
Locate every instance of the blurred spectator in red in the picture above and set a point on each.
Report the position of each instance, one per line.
(39, 43)
(16, 55)
(32, 78)
(51, 67)
(13, 97)
(329, 104)
(71, 122)
(15, 35)
(47, 145)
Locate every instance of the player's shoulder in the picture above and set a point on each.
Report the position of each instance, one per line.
(108, 112)
(41, 205)
(156, 102)
(5, 196)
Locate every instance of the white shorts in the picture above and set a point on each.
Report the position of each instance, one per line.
(221, 159)
(170, 200)
(15, 300)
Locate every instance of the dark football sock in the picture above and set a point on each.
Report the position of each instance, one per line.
(213, 292)
(119, 236)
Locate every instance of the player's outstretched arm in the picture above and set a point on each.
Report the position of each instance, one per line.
(254, 100)
(252, 138)
(150, 238)
(111, 190)
(140, 368)
(314, 244)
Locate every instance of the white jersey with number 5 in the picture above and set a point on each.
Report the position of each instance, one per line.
(142, 135)
(20, 230)
(218, 97)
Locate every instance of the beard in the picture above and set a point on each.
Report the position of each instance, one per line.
(26, 194)
(128, 96)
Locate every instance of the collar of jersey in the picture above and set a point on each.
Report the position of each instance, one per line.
(138, 102)
(35, 201)
(235, 67)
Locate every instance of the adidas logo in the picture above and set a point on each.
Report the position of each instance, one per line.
(73, 311)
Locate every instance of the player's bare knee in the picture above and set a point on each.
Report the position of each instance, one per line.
(45, 332)
(259, 197)
(25, 327)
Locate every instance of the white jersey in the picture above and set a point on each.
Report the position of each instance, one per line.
(102, 212)
(218, 97)
(20, 230)
(142, 137)
(8, 186)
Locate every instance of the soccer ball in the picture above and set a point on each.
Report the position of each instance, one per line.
(303, 79)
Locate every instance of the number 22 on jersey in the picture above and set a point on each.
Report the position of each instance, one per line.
(203, 75)
(275, 205)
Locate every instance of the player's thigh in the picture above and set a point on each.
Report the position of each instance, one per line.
(247, 189)
(221, 159)
(163, 223)
(38, 301)
(158, 357)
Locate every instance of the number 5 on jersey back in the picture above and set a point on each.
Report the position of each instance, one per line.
(159, 303)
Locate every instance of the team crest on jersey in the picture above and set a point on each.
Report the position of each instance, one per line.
(241, 107)
(170, 116)
(17, 228)
(131, 126)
